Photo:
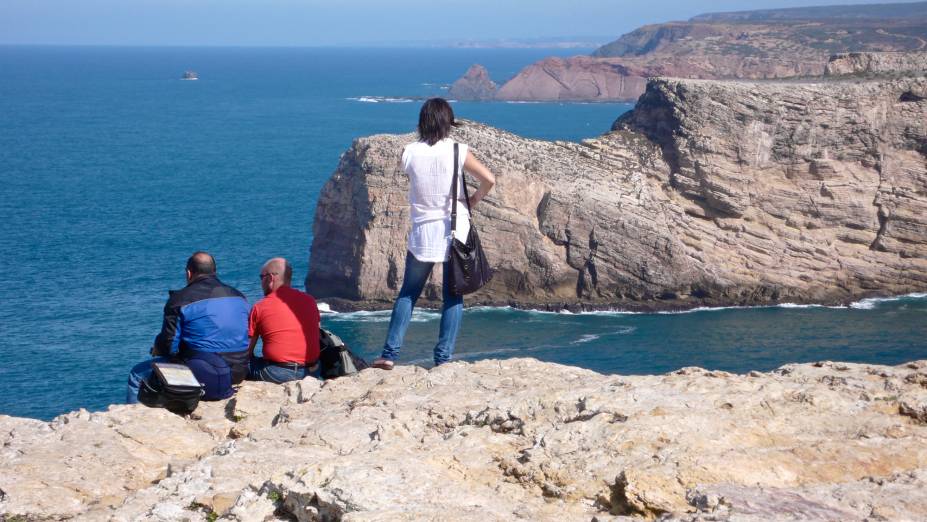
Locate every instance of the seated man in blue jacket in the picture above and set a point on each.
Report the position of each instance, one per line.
(205, 318)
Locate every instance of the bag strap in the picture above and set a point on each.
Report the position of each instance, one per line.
(454, 191)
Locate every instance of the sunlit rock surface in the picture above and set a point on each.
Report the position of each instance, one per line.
(495, 440)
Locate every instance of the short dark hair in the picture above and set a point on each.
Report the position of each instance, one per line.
(435, 120)
(201, 263)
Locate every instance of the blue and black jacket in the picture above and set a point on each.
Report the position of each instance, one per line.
(206, 316)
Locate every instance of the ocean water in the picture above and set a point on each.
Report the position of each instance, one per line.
(113, 170)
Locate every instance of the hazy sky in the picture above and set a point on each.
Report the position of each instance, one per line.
(340, 22)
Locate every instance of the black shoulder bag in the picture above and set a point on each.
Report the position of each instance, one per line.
(469, 268)
(171, 386)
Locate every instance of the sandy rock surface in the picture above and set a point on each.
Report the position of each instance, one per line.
(494, 440)
(707, 193)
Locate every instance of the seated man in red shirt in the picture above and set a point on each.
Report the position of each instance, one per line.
(287, 321)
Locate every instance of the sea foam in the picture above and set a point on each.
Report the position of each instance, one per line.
(380, 99)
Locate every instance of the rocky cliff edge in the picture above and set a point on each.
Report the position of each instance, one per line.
(707, 193)
(494, 440)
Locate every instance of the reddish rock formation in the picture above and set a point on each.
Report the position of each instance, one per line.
(582, 78)
(474, 85)
(577, 78)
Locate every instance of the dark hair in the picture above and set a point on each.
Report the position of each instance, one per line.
(201, 263)
(435, 120)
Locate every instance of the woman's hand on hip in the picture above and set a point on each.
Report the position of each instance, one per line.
(480, 172)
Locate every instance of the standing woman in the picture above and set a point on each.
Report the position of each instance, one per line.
(429, 163)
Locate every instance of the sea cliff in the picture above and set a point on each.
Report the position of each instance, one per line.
(494, 440)
(707, 193)
(764, 44)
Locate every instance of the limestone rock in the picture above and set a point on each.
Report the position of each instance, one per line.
(874, 63)
(474, 85)
(707, 193)
(495, 440)
(58, 469)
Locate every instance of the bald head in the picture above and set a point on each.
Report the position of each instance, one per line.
(275, 273)
(200, 264)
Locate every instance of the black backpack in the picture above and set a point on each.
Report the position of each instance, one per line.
(157, 392)
(335, 358)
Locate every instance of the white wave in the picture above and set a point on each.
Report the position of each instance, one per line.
(382, 316)
(427, 315)
(705, 309)
(380, 99)
(611, 312)
(796, 305)
(872, 302)
(483, 308)
(585, 338)
(325, 308)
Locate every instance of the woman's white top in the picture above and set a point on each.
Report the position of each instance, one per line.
(431, 170)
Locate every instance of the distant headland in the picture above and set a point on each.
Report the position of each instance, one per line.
(763, 44)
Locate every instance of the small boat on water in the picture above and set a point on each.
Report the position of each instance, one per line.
(190, 75)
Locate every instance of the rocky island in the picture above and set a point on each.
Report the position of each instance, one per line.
(765, 44)
(494, 440)
(707, 193)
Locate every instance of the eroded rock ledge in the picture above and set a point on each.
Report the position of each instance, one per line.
(707, 193)
(495, 440)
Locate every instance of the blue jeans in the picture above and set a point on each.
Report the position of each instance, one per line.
(413, 282)
(139, 373)
(264, 370)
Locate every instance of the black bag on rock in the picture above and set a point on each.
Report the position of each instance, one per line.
(469, 268)
(173, 387)
(335, 358)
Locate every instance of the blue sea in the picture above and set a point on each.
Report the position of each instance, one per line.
(113, 170)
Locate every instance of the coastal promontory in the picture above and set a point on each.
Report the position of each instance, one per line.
(707, 193)
(761, 44)
(494, 440)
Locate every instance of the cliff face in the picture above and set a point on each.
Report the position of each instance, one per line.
(494, 440)
(707, 192)
(577, 78)
(876, 63)
(749, 45)
(582, 78)
(887, 11)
